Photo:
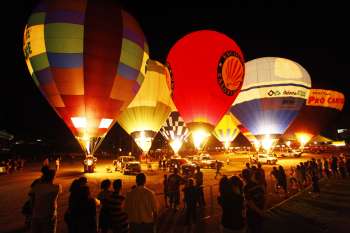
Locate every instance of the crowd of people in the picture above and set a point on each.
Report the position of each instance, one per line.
(242, 198)
(11, 165)
(135, 213)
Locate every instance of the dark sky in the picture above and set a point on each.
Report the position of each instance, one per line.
(316, 39)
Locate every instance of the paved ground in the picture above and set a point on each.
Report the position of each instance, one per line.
(308, 214)
(14, 189)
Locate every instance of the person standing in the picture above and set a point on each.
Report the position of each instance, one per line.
(326, 167)
(231, 201)
(255, 197)
(104, 220)
(83, 211)
(46, 162)
(218, 166)
(57, 163)
(191, 199)
(165, 190)
(118, 218)
(141, 207)
(334, 166)
(198, 176)
(174, 182)
(45, 194)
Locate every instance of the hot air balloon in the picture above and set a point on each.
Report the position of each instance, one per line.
(150, 108)
(273, 92)
(88, 60)
(206, 70)
(226, 131)
(320, 109)
(175, 131)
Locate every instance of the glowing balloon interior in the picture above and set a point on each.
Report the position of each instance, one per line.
(226, 131)
(273, 92)
(206, 69)
(150, 107)
(320, 110)
(87, 58)
(175, 131)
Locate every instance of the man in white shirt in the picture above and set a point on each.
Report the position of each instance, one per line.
(45, 193)
(141, 207)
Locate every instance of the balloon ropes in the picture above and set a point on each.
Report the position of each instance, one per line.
(175, 131)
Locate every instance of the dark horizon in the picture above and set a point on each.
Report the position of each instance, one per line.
(316, 41)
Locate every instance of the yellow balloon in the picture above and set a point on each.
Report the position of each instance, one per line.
(150, 108)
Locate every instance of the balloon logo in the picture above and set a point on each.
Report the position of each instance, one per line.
(230, 72)
(88, 59)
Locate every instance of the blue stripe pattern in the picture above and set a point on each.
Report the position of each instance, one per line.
(65, 60)
(127, 72)
(273, 113)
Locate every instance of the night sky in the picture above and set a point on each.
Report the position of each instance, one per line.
(314, 38)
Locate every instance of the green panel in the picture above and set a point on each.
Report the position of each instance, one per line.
(39, 62)
(36, 19)
(64, 45)
(64, 38)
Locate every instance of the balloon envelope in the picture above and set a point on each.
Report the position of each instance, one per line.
(87, 58)
(150, 108)
(273, 92)
(320, 109)
(227, 129)
(206, 70)
(175, 131)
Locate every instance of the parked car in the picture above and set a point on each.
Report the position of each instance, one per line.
(132, 167)
(291, 153)
(184, 165)
(121, 161)
(206, 161)
(264, 158)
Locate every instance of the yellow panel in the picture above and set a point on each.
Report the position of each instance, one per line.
(35, 37)
(226, 123)
(154, 88)
(130, 50)
(144, 118)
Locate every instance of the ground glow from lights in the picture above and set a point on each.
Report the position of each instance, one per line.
(199, 138)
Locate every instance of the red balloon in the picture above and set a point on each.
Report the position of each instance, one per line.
(206, 69)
